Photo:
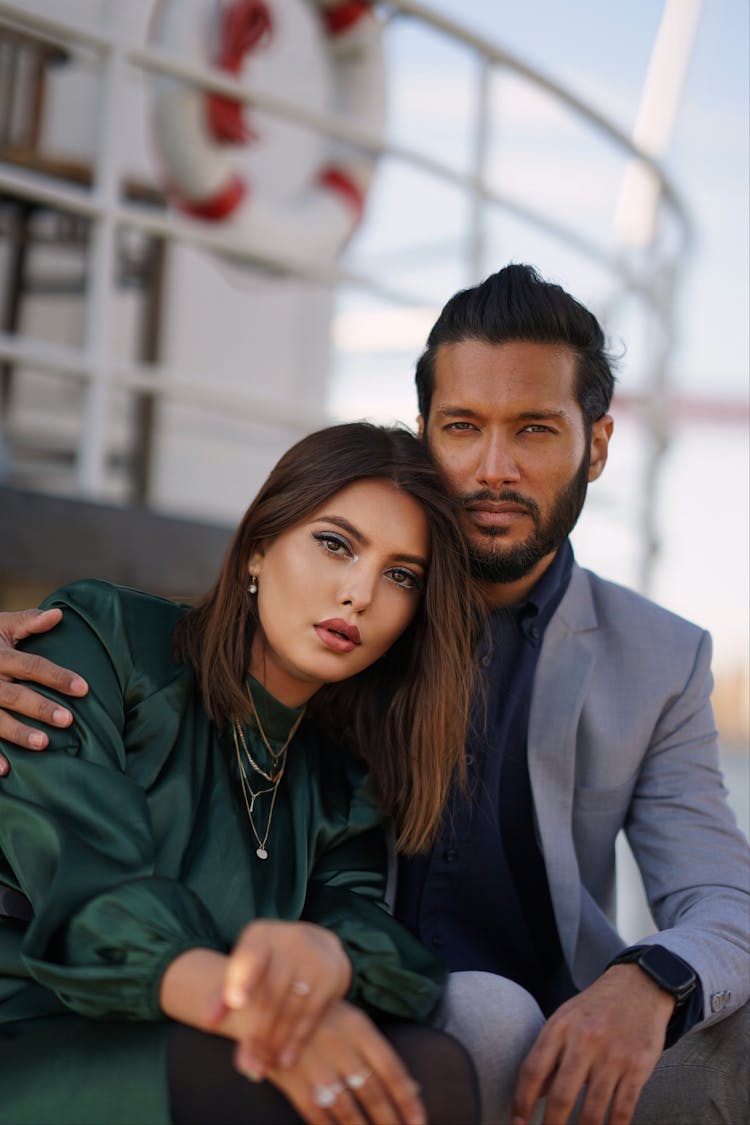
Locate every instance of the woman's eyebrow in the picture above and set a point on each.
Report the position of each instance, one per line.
(418, 560)
(343, 523)
(350, 529)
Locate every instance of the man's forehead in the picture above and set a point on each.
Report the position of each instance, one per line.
(475, 370)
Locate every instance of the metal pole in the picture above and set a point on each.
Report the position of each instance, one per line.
(99, 310)
(476, 236)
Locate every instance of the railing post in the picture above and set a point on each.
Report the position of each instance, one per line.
(100, 290)
(476, 236)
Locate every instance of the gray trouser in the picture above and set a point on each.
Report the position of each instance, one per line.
(703, 1080)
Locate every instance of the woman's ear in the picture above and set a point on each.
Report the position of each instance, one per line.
(255, 563)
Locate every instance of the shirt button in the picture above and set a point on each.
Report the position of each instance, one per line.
(450, 854)
(534, 633)
(486, 661)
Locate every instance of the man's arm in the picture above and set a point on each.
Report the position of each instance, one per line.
(694, 863)
(23, 700)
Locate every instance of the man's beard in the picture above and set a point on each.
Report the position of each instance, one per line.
(496, 565)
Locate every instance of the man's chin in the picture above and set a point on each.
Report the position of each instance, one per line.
(509, 564)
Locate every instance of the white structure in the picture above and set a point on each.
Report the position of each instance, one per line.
(239, 354)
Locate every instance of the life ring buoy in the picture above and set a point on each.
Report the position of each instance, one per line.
(194, 130)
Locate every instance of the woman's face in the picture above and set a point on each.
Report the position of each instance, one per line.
(335, 591)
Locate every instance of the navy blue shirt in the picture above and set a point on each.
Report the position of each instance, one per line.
(481, 898)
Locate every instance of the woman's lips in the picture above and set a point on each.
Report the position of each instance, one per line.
(337, 635)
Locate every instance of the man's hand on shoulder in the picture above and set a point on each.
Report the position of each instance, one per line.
(15, 666)
(609, 1039)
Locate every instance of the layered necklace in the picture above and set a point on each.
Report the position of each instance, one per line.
(278, 765)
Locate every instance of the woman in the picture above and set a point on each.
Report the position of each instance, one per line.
(197, 850)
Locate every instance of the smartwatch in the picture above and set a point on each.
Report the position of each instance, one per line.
(670, 972)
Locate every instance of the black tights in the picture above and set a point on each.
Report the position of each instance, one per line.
(205, 1089)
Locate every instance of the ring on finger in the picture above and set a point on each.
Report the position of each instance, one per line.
(357, 1080)
(300, 988)
(325, 1096)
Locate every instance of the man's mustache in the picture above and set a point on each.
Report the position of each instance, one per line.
(506, 496)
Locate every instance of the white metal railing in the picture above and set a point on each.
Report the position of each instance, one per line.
(652, 278)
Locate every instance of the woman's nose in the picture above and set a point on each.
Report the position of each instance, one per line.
(358, 591)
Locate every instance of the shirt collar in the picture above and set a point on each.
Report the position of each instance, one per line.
(533, 615)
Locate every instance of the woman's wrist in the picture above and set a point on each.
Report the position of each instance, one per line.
(190, 987)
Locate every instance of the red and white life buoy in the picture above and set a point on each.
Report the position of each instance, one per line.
(197, 132)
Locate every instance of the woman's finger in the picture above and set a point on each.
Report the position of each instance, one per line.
(388, 1086)
(248, 962)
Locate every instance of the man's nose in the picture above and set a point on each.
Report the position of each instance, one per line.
(497, 466)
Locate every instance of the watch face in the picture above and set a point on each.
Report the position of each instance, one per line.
(666, 969)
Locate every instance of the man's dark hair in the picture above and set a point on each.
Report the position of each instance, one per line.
(516, 303)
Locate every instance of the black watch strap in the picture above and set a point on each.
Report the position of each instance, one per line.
(666, 969)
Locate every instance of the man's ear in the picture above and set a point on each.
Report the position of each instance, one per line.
(420, 425)
(601, 432)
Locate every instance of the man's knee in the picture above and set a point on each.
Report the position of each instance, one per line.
(497, 1021)
(704, 1077)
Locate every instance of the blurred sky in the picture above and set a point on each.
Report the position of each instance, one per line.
(599, 49)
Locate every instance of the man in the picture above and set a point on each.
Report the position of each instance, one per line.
(598, 718)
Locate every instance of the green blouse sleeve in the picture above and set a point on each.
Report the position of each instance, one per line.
(75, 836)
(392, 970)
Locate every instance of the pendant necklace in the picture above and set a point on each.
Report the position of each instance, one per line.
(278, 757)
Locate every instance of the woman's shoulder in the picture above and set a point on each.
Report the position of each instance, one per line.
(92, 597)
(133, 626)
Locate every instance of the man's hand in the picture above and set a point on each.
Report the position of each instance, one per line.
(608, 1039)
(23, 666)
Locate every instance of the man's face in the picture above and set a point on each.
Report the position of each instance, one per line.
(509, 436)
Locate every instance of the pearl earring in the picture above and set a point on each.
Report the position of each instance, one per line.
(253, 587)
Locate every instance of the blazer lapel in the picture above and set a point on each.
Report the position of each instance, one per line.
(560, 683)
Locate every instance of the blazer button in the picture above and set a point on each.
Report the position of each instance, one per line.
(719, 1000)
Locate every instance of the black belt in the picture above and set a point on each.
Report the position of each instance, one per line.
(15, 905)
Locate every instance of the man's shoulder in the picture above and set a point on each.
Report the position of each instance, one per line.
(622, 608)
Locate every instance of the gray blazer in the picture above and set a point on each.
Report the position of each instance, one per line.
(622, 735)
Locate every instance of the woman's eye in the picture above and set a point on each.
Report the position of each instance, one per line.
(405, 578)
(332, 543)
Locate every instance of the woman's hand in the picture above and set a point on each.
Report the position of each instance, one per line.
(24, 666)
(280, 978)
(348, 1073)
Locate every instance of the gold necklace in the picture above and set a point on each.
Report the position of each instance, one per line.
(274, 778)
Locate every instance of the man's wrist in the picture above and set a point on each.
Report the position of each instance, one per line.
(668, 971)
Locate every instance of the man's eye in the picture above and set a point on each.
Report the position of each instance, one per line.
(460, 427)
(407, 579)
(332, 543)
(537, 428)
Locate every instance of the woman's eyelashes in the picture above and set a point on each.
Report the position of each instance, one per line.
(406, 579)
(334, 544)
(337, 545)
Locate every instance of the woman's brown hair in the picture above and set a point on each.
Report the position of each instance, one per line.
(406, 715)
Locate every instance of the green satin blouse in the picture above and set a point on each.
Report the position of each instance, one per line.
(131, 840)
